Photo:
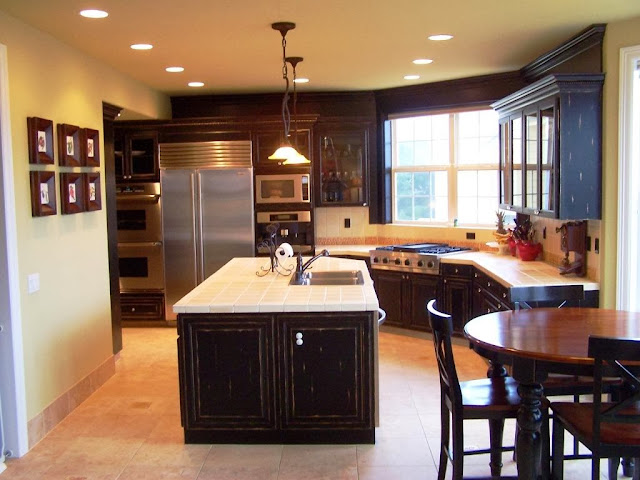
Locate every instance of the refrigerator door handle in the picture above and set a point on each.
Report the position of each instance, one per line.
(196, 227)
(199, 234)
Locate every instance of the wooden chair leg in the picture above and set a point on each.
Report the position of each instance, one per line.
(636, 469)
(613, 465)
(458, 448)
(557, 451)
(595, 466)
(545, 440)
(496, 429)
(444, 441)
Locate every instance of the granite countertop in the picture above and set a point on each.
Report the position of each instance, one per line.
(236, 288)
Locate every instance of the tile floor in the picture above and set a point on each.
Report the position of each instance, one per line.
(130, 428)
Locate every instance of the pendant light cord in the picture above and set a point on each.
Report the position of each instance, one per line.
(286, 115)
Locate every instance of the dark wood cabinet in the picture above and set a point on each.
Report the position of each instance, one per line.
(324, 371)
(343, 153)
(140, 307)
(283, 378)
(488, 295)
(455, 293)
(266, 142)
(404, 297)
(136, 156)
(550, 147)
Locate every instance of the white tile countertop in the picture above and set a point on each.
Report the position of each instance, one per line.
(513, 272)
(507, 270)
(237, 288)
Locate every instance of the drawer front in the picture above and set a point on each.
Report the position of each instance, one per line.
(142, 307)
(492, 286)
(456, 270)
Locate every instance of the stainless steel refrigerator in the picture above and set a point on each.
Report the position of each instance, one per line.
(207, 211)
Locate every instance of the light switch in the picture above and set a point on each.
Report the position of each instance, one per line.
(34, 282)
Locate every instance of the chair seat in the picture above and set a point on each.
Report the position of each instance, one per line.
(580, 416)
(499, 393)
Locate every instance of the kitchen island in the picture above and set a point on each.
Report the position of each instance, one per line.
(262, 361)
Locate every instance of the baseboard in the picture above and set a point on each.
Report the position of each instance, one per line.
(39, 426)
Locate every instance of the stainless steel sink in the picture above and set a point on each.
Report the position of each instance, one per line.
(339, 277)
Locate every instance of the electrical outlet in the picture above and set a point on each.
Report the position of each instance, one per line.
(33, 284)
(347, 223)
(588, 243)
(471, 236)
(597, 245)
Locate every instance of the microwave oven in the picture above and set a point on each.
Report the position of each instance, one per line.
(283, 188)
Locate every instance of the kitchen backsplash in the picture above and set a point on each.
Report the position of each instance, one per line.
(331, 229)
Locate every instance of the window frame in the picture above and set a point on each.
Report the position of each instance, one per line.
(451, 168)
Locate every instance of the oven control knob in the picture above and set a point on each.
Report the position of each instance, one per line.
(398, 261)
(407, 263)
(430, 264)
(376, 260)
(420, 263)
(385, 260)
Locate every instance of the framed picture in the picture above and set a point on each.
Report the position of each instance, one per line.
(43, 193)
(40, 131)
(69, 145)
(72, 194)
(92, 191)
(91, 150)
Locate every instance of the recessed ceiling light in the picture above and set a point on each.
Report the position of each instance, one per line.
(94, 13)
(440, 37)
(411, 77)
(196, 84)
(422, 61)
(301, 80)
(174, 69)
(141, 46)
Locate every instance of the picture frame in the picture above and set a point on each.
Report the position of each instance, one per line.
(72, 196)
(91, 151)
(92, 191)
(70, 146)
(43, 193)
(40, 138)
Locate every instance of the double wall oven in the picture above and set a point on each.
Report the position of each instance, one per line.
(140, 252)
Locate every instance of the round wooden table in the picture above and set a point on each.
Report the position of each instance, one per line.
(537, 342)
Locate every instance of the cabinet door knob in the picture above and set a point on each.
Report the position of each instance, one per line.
(444, 281)
(456, 270)
(299, 341)
(299, 335)
(133, 309)
(504, 295)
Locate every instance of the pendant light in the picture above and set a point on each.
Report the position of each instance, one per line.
(286, 152)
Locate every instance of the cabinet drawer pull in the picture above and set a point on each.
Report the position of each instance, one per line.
(488, 284)
(504, 295)
(479, 290)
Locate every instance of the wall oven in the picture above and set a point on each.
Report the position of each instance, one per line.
(141, 266)
(139, 212)
(283, 188)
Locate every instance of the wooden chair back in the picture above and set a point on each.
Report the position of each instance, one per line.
(442, 328)
(609, 356)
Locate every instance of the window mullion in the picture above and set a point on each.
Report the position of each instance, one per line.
(451, 170)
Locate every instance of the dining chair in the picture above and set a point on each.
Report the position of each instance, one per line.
(608, 429)
(492, 399)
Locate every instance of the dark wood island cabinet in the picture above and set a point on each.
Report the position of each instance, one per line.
(278, 377)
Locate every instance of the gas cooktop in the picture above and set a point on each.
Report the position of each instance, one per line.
(412, 257)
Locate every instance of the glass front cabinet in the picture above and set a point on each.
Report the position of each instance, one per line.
(342, 151)
(550, 147)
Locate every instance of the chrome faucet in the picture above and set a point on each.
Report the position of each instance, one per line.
(300, 267)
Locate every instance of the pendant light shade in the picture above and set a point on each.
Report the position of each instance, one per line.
(286, 153)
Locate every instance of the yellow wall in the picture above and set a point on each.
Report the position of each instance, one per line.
(618, 35)
(67, 324)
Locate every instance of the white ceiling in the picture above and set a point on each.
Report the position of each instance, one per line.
(346, 44)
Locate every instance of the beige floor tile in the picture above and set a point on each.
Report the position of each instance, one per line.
(397, 473)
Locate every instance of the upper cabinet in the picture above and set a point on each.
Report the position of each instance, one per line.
(136, 156)
(550, 147)
(266, 142)
(343, 153)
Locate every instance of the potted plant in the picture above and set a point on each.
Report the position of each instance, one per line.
(524, 236)
(502, 235)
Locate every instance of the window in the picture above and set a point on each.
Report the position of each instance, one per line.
(445, 167)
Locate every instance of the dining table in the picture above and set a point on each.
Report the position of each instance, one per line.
(536, 342)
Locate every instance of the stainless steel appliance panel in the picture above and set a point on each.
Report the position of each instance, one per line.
(139, 213)
(180, 240)
(141, 266)
(208, 218)
(226, 217)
